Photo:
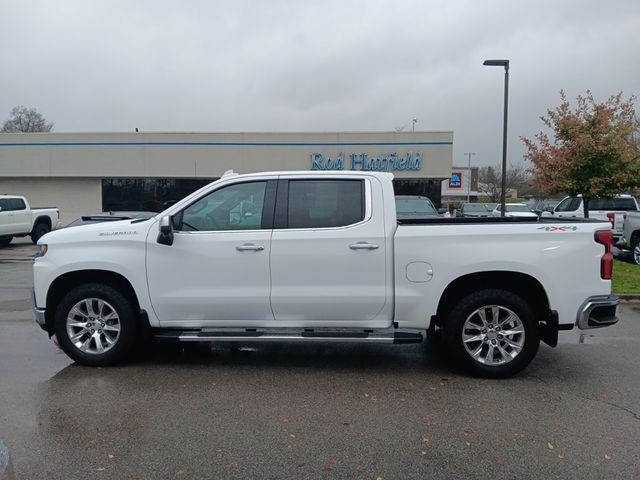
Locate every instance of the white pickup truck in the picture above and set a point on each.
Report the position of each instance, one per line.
(321, 257)
(613, 210)
(17, 219)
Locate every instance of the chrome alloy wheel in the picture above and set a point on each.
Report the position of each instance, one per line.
(93, 326)
(636, 253)
(493, 335)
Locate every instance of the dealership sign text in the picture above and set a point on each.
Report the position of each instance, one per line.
(384, 162)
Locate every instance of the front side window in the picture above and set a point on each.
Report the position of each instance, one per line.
(234, 207)
(325, 203)
(5, 204)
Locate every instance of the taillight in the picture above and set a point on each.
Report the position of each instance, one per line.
(612, 219)
(605, 237)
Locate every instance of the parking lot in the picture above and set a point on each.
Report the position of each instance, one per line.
(292, 411)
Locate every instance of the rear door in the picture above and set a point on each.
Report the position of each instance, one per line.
(21, 215)
(328, 254)
(7, 220)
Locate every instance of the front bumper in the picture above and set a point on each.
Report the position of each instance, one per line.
(39, 313)
(597, 312)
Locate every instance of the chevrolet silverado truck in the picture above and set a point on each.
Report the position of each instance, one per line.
(321, 257)
(17, 219)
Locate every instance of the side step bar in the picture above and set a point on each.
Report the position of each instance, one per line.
(307, 335)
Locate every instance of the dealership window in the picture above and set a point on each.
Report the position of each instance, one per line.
(146, 194)
(419, 186)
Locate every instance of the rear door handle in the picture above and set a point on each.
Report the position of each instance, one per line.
(249, 247)
(363, 246)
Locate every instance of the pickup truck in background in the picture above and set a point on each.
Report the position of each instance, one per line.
(613, 210)
(631, 235)
(322, 257)
(17, 219)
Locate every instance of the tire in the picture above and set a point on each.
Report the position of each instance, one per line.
(4, 242)
(478, 344)
(102, 322)
(39, 230)
(635, 251)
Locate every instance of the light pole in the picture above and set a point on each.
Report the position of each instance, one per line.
(413, 126)
(468, 154)
(505, 64)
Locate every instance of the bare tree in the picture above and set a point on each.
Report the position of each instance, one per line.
(490, 180)
(23, 120)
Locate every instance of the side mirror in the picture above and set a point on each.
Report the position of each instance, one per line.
(165, 237)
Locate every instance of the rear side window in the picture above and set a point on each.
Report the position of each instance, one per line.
(325, 203)
(17, 204)
(613, 204)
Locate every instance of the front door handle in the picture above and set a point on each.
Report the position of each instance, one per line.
(363, 246)
(249, 247)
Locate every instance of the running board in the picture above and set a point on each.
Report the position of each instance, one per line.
(250, 335)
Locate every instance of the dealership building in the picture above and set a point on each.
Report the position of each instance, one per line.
(84, 173)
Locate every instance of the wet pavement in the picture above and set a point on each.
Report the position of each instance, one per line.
(292, 411)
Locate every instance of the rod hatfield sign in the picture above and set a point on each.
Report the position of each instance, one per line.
(383, 162)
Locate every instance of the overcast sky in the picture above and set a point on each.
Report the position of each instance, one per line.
(314, 65)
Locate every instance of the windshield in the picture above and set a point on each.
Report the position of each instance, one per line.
(415, 205)
(517, 208)
(474, 207)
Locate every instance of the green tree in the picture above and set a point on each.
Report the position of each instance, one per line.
(594, 149)
(24, 120)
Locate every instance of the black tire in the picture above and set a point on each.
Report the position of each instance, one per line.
(126, 316)
(468, 309)
(4, 242)
(635, 250)
(41, 228)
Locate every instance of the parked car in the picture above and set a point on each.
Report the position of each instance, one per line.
(18, 219)
(608, 209)
(544, 206)
(631, 235)
(323, 259)
(473, 210)
(111, 217)
(415, 206)
(519, 210)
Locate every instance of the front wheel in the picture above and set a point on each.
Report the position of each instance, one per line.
(492, 333)
(96, 325)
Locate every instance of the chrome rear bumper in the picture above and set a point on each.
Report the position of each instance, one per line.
(598, 312)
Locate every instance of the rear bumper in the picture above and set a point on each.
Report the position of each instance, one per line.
(597, 312)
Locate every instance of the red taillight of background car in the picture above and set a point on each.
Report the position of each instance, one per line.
(612, 219)
(605, 237)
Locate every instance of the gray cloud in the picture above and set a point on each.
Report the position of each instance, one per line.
(314, 65)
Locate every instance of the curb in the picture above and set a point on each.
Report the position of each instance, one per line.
(6, 470)
(627, 297)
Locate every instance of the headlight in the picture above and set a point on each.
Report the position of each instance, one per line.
(41, 250)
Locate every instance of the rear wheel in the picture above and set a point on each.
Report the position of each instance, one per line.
(492, 333)
(635, 250)
(96, 325)
(39, 230)
(4, 242)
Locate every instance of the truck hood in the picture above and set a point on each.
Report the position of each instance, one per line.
(124, 229)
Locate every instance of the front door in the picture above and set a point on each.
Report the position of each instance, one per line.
(217, 270)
